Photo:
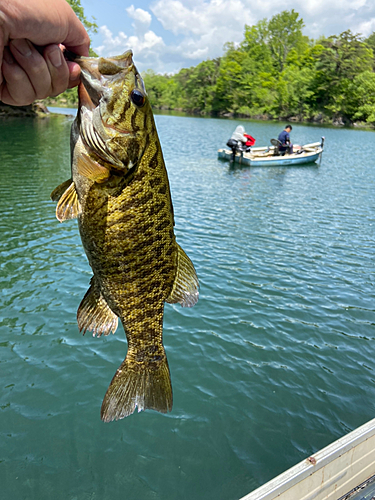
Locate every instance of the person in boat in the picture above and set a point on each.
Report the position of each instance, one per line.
(284, 138)
(240, 141)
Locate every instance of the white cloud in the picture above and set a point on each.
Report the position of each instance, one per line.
(203, 17)
(206, 26)
(140, 15)
(197, 29)
(366, 27)
(145, 44)
(111, 45)
(142, 20)
(148, 41)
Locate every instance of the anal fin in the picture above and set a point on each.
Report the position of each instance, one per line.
(185, 288)
(94, 314)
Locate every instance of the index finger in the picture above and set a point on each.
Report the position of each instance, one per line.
(77, 40)
(44, 22)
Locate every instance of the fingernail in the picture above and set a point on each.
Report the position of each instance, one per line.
(8, 56)
(55, 56)
(23, 46)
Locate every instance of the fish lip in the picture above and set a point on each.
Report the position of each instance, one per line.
(86, 98)
(91, 64)
(88, 79)
(93, 87)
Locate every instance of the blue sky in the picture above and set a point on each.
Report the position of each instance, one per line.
(167, 35)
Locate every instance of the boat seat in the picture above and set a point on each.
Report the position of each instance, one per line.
(276, 143)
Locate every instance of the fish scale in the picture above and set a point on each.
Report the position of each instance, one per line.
(120, 194)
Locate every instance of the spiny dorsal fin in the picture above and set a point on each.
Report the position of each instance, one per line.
(91, 169)
(186, 285)
(68, 206)
(60, 190)
(94, 313)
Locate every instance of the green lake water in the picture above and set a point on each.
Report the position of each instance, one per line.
(274, 362)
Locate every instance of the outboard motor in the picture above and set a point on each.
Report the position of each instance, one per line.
(233, 145)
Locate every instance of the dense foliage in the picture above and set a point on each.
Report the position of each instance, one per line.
(277, 72)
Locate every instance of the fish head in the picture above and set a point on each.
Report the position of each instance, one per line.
(115, 117)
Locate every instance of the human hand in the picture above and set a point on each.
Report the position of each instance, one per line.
(29, 73)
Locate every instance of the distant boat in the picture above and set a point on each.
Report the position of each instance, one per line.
(270, 156)
(343, 469)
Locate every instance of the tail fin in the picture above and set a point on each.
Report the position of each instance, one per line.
(146, 386)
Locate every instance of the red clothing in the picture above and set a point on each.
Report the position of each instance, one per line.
(250, 140)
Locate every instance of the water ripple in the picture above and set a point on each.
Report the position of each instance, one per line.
(273, 363)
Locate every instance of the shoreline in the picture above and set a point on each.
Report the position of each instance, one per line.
(323, 120)
(40, 109)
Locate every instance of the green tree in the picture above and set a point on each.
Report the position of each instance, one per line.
(255, 44)
(284, 34)
(364, 102)
(299, 92)
(370, 41)
(343, 57)
(163, 91)
(200, 86)
(229, 94)
(278, 72)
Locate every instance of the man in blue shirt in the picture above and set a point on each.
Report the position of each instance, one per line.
(284, 138)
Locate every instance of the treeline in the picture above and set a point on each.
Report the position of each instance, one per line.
(277, 72)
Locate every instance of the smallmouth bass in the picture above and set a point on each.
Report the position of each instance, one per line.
(119, 191)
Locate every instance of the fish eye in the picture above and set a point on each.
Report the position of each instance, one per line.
(137, 97)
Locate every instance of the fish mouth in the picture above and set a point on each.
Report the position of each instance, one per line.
(97, 72)
(103, 80)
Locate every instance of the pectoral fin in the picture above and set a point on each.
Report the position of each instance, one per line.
(94, 313)
(60, 190)
(186, 285)
(68, 206)
(92, 169)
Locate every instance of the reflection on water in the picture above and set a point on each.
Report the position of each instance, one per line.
(273, 363)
